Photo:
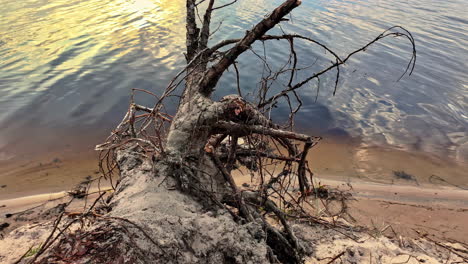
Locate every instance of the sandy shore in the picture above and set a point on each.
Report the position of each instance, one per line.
(48, 173)
(389, 212)
(439, 211)
(383, 203)
(343, 160)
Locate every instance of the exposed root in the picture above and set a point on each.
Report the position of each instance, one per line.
(198, 150)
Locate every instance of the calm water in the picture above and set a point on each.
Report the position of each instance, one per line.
(66, 68)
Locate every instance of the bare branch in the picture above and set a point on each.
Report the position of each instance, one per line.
(242, 130)
(205, 32)
(386, 33)
(239, 92)
(226, 174)
(192, 31)
(276, 37)
(256, 152)
(212, 76)
(200, 2)
(228, 4)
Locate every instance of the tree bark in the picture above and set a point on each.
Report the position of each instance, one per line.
(182, 204)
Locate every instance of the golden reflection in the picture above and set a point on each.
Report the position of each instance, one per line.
(142, 5)
(65, 36)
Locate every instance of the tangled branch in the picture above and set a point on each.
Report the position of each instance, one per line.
(240, 137)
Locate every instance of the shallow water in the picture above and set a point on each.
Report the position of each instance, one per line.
(66, 69)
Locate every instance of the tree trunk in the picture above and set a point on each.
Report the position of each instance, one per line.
(177, 202)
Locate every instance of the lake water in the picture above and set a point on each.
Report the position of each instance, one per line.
(66, 69)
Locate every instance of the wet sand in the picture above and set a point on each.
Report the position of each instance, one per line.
(53, 166)
(347, 159)
(48, 174)
(382, 198)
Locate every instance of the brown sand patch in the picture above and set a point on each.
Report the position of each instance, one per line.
(51, 172)
(395, 210)
(347, 160)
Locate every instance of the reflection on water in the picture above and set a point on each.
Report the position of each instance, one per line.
(67, 66)
(74, 61)
(425, 112)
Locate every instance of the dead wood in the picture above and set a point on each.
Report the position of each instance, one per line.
(176, 199)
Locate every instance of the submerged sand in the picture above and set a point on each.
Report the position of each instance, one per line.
(339, 159)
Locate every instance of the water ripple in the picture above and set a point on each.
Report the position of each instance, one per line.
(66, 64)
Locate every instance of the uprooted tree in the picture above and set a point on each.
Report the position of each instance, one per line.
(176, 199)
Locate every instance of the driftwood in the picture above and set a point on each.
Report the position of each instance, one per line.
(176, 172)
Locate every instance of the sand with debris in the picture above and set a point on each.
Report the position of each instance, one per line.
(405, 221)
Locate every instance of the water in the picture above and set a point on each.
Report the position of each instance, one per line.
(66, 68)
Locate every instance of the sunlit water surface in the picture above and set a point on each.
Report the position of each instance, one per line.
(66, 68)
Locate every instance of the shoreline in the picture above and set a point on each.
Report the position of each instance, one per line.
(439, 212)
(381, 237)
(404, 204)
(48, 173)
(343, 160)
(404, 194)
